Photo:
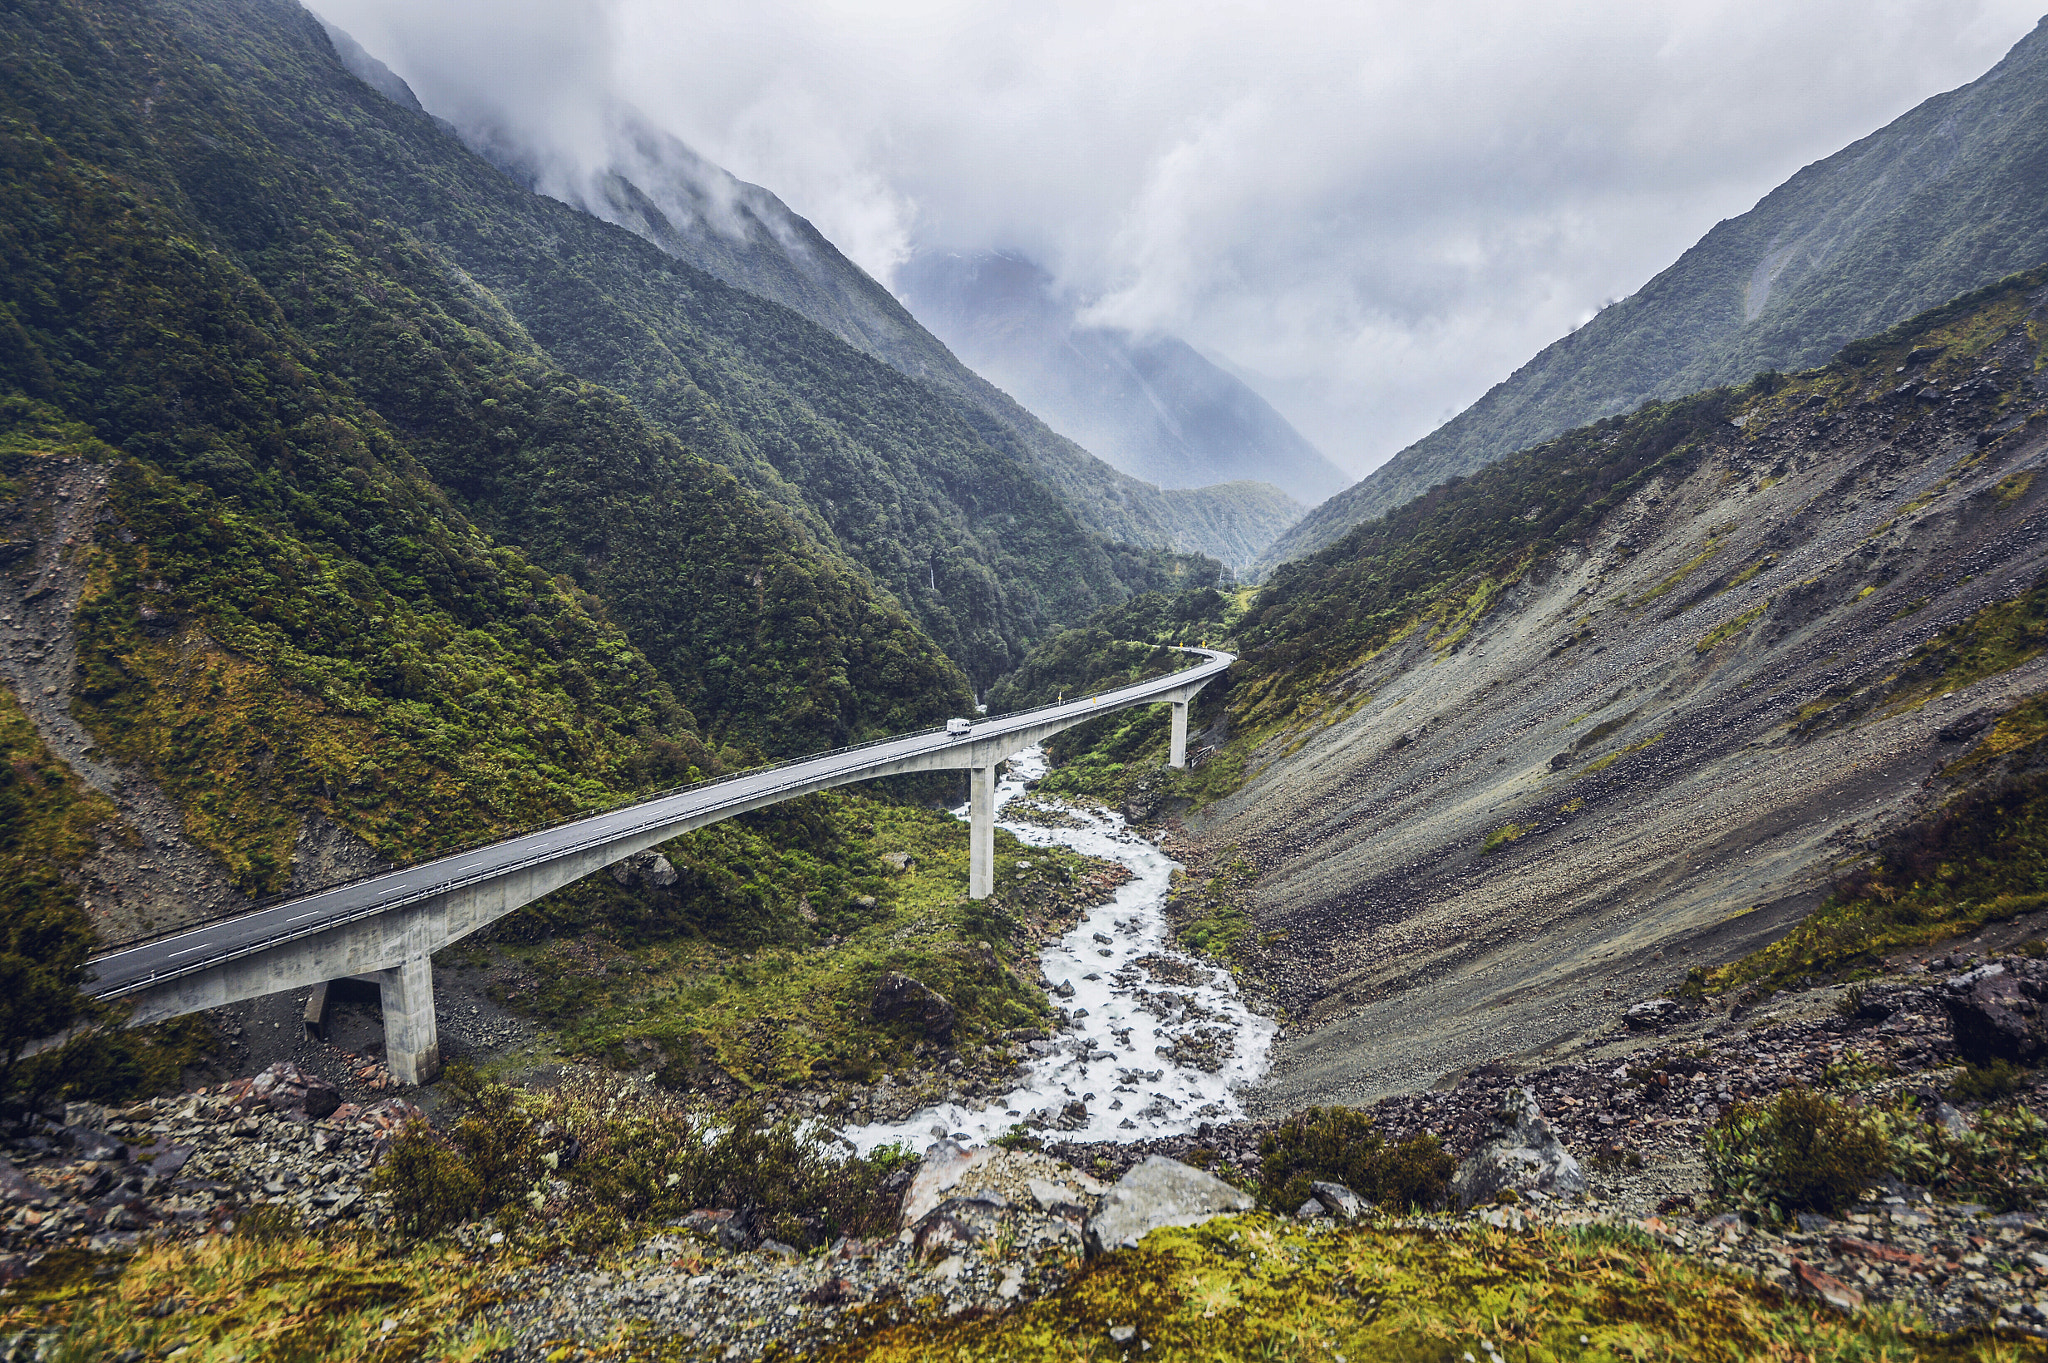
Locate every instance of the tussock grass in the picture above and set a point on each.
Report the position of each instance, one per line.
(1256, 1288)
(253, 1297)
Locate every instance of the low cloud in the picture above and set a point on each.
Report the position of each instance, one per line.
(1374, 211)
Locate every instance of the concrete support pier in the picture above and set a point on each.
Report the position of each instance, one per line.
(412, 1043)
(1179, 754)
(981, 833)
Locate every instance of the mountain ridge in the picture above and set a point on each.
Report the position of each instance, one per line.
(1941, 200)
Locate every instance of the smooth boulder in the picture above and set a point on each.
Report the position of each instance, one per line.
(1522, 1154)
(1159, 1192)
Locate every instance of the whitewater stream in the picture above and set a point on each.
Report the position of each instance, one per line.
(1155, 1043)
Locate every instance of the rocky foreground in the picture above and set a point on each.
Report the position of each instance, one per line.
(1614, 1139)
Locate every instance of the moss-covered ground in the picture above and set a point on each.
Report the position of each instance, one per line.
(256, 1297)
(779, 994)
(1259, 1288)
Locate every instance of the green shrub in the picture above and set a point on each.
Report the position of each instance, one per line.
(431, 1187)
(2002, 1161)
(600, 1153)
(1991, 1083)
(1795, 1152)
(1341, 1145)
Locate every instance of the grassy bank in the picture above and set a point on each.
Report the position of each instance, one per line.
(1257, 1288)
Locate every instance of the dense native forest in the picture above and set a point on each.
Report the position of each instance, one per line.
(439, 509)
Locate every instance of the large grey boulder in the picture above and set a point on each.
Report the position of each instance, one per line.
(1159, 1192)
(1997, 1013)
(1522, 1153)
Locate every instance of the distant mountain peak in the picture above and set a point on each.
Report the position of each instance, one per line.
(1149, 403)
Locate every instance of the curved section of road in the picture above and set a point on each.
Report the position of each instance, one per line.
(131, 969)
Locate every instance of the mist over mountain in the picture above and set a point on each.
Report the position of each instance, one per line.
(1150, 404)
(651, 183)
(1942, 200)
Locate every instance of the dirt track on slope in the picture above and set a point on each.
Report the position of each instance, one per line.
(1412, 954)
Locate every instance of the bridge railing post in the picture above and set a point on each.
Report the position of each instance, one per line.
(981, 833)
(412, 1042)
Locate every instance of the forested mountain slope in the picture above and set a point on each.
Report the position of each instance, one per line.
(268, 135)
(743, 234)
(241, 599)
(1945, 199)
(1627, 702)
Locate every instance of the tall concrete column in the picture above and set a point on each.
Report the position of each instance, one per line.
(1179, 755)
(412, 1043)
(981, 833)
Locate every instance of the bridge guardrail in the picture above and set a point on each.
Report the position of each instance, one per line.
(457, 882)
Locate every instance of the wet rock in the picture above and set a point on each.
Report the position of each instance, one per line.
(941, 1235)
(1340, 1201)
(946, 1162)
(16, 1186)
(1055, 1200)
(1159, 1192)
(1996, 1015)
(91, 1144)
(899, 998)
(285, 1089)
(1521, 1154)
(831, 1292)
(651, 869)
(740, 1231)
(1826, 1286)
(1950, 1119)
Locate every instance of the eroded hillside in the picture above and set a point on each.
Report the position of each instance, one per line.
(1497, 803)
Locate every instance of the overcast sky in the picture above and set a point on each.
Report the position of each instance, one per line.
(1374, 211)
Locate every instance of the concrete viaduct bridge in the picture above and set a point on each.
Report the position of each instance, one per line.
(387, 927)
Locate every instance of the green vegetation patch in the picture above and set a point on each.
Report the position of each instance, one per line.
(1796, 1151)
(1995, 640)
(265, 1297)
(1713, 547)
(1728, 629)
(627, 1153)
(1257, 1288)
(1979, 859)
(1603, 763)
(1502, 836)
(758, 967)
(1342, 1145)
(1212, 915)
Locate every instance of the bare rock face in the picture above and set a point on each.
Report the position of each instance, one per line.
(946, 1162)
(1653, 1014)
(286, 1090)
(899, 998)
(653, 870)
(1997, 1012)
(1522, 1154)
(1159, 1192)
